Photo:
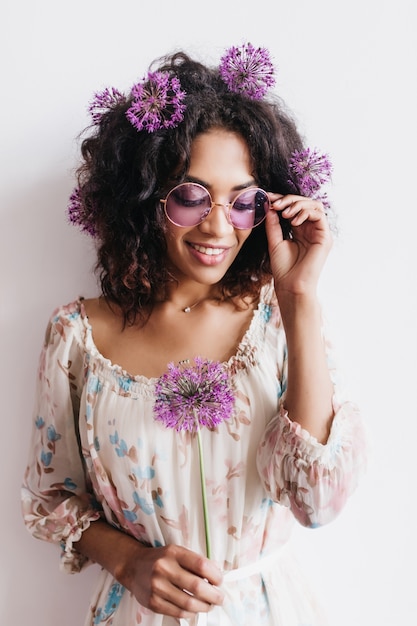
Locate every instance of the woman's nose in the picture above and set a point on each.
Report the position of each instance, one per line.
(217, 222)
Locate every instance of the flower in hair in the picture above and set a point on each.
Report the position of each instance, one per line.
(77, 215)
(247, 70)
(310, 169)
(103, 101)
(157, 103)
(189, 397)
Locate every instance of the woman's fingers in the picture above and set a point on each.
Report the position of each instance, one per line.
(298, 209)
(177, 582)
(189, 594)
(297, 215)
(171, 600)
(197, 564)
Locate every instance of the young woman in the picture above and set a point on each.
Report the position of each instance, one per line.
(186, 417)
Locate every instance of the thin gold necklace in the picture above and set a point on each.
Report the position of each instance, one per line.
(190, 308)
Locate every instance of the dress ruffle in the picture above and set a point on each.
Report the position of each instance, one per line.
(292, 464)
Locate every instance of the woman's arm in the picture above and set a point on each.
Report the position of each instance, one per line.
(314, 450)
(308, 398)
(296, 265)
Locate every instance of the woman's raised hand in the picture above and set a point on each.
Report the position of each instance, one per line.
(297, 263)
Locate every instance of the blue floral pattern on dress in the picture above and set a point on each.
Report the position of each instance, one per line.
(113, 600)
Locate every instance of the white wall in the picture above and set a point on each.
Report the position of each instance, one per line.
(348, 71)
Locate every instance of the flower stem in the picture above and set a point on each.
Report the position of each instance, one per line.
(203, 492)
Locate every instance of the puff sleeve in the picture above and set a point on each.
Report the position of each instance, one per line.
(57, 499)
(313, 479)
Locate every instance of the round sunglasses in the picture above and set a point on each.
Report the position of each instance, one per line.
(188, 204)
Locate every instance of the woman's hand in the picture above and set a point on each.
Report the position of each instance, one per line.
(172, 580)
(297, 263)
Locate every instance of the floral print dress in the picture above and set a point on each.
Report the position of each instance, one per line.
(97, 452)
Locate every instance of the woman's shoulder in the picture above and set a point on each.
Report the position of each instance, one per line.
(268, 298)
(73, 312)
(70, 310)
(66, 321)
(269, 308)
(102, 316)
(268, 295)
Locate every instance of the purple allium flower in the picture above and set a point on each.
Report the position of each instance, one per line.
(77, 215)
(103, 101)
(188, 397)
(247, 70)
(157, 103)
(310, 170)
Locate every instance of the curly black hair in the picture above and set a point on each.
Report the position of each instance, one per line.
(124, 173)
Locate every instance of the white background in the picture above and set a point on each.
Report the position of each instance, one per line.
(348, 71)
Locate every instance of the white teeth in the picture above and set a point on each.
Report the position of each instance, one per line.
(209, 251)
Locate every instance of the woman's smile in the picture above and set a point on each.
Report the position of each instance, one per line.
(208, 255)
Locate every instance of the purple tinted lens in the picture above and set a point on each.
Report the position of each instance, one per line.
(188, 204)
(249, 208)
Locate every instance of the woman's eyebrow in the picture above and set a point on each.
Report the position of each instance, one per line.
(192, 179)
